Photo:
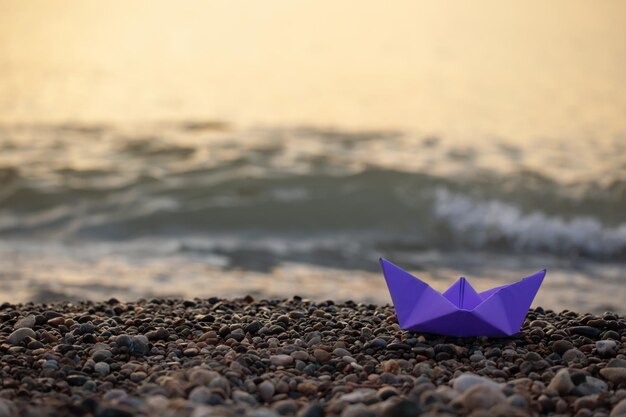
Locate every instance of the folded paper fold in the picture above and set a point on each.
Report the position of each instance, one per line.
(460, 310)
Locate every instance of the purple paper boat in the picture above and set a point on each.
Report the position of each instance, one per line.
(460, 311)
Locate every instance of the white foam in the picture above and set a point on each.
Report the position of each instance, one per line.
(482, 223)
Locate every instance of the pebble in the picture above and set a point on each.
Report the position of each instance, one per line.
(590, 386)
(50, 364)
(102, 368)
(101, 355)
(357, 410)
(138, 376)
(341, 352)
(481, 396)
(285, 407)
(266, 390)
(606, 348)
(25, 322)
(19, 335)
(321, 355)
(76, 380)
(243, 397)
(562, 346)
(281, 360)
(614, 375)
(200, 395)
(312, 410)
(587, 331)
(466, 381)
(619, 410)
(562, 383)
(206, 357)
(574, 356)
(403, 408)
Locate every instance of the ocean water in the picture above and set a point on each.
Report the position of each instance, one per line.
(203, 208)
(157, 148)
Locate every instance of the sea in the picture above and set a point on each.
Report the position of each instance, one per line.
(199, 149)
(200, 209)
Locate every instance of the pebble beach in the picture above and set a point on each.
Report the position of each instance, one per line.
(294, 357)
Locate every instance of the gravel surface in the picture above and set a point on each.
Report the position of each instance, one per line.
(215, 357)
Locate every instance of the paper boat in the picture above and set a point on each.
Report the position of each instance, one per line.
(460, 311)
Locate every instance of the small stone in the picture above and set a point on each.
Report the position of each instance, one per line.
(50, 364)
(391, 366)
(253, 327)
(517, 400)
(481, 396)
(56, 321)
(616, 363)
(590, 386)
(138, 376)
(243, 397)
(27, 322)
(588, 402)
(300, 355)
(619, 410)
(285, 407)
(607, 348)
(266, 390)
(19, 335)
(307, 388)
(76, 380)
(341, 352)
(403, 408)
(560, 407)
(139, 345)
(321, 355)
(587, 331)
(562, 346)
(387, 392)
(467, 380)
(379, 343)
(357, 410)
(102, 368)
(114, 394)
(574, 356)
(281, 360)
(312, 410)
(578, 376)
(124, 340)
(200, 395)
(101, 355)
(614, 375)
(7, 408)
(562, 383)
(191, 352)
(86, 328)
(533, 357)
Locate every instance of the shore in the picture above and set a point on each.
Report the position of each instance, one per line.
(241, 357)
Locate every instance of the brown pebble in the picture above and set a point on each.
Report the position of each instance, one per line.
(321, 355)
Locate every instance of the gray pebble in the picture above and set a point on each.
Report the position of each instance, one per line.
(481, 396)
(590, 386)
(26, 322)
(266, 390)
(607, 348)
(466, 381)
(19, 335)
(281, 360)
(102, 368)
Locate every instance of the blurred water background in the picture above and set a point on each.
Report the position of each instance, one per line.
(199, 149)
